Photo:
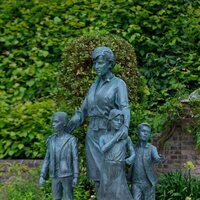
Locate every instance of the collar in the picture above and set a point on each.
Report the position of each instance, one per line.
(107, 77)
(146, 146)
(64, 136)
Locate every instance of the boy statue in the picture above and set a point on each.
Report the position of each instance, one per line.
(61, 160)
(143, 175)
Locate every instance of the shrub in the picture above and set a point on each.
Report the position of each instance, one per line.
(25, 128)
(24, 186)
(75, 72)
(178, 186)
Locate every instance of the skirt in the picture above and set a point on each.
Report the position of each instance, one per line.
(94, 156)
(113, 183)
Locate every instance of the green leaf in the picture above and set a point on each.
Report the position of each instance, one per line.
(20, 146)
(57, 20)
(43, 53)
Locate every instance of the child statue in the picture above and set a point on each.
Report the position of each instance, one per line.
(61, 160)
(113, 184)
(143, 176)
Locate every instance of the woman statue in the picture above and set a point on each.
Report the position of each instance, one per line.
(106, 93)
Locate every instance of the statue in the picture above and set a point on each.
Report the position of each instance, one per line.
(61, 160)
(106, 93)
(113, 184)
(143, 175)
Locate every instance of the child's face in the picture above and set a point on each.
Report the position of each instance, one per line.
(117, 122)
(57, 124)
(144, 133)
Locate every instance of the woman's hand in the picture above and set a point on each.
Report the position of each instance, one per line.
(73, 123)
(75, 182)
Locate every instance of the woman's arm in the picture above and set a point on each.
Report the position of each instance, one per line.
(78, 117)
(122, 102)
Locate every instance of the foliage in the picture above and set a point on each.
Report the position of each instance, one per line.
(176, 185)
(22, 183)
(29, 59)
(28, 141)
(24, 186)
(194, 127)
(33, 33)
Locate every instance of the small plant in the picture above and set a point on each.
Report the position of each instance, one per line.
(178, 185)
(23, 185)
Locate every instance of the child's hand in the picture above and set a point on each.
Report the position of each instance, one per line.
(122, 133)
(75, 182)
(162, 158)
(41, 181)
(72, 123)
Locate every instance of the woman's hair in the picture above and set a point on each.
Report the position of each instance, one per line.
(105, 52)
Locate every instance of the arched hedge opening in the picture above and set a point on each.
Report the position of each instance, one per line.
(76, 73)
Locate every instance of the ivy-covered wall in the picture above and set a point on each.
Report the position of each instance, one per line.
(165, 35)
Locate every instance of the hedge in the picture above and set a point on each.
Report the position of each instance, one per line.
(33, 34)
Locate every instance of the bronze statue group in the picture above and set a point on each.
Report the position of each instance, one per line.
(108, 147)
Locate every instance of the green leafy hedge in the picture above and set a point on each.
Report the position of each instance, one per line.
(24, 128)
(33, 33)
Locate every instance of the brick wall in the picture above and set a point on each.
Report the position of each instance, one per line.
(178, 147)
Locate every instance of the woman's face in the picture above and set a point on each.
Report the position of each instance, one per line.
(102, 66)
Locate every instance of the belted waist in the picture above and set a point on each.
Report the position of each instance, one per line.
(115, 161)
(98, 122)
